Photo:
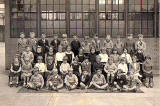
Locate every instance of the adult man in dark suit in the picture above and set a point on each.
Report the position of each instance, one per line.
(55, 43)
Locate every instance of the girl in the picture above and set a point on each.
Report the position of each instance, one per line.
(81, 55)
(38, 53)
(115, 57)
(84, 80)
(27, 55)
(69, 54)
(15, 71)
(104, 56)
(86, 65)
(92, 57)
(97, 65)
(119, 45)
(50, 53)
(59, 57)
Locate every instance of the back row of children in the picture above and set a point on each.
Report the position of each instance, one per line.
(83, 65)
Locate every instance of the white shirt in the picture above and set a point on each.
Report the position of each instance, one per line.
(41, 67)
(127, 57)
(123, 67)
(64, 68)
(59, 56)
(104, 58)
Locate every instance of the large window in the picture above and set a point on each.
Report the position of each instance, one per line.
(23, 17)
(141, 17)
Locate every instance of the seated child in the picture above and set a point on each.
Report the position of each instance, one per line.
(84, 80)
(71, 80)
(38, 53)
(32, 42)
(50, 53)
(92, 55)
(64, 42)
(104, 56)
(21, 43)
(81, 55)
(36, 82)
(115, 56)
(15, 71)
(26, 71)
(69, 54)
(99, 81)
(86, 66)
(64, 67)
(147, 72)
(110, 69)
(59, 57)
(54, 81)
(123, 66)
(27, 55)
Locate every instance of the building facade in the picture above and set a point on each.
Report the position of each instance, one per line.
(81, 17)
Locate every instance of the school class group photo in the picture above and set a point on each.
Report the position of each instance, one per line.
(87, 64)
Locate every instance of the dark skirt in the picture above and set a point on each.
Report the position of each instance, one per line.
(12, 74)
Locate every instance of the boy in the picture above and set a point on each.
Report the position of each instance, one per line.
(98, 81)
(27, 55)
(43, 42)
(55, 43)
(36, 82)
(140, 45)
(21, 43)
(32, 42)
(129, 44)
(110, 69)
(64, 67)
(71, 80)
(54, 81)
(86, 66)
(75, 45)
(69, 54)
(84, 80)
(147, 72)
(86, 46)
(96, 43)
(64, 42)
(108, 44)
(119, 45)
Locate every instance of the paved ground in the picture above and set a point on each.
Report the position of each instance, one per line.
(10, 97)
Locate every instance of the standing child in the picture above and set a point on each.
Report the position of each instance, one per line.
(26, 71)
(15, 72)
(86, 65)
(69, 54)
(54, 81)
(86, 46)
(110, 69)
(32, 42)
(75, 44)
(21, 43)
(119, 45)
(81, 56)
(147, 72)
(96, 43)
(36, 82)
(115, 56)
(108, 44)
(64, 42)
(55, 43)
(64, 67)
(99, 81)
(27, 55)
(59, 57)
(71, 80)
(92, 57)
(104, 56)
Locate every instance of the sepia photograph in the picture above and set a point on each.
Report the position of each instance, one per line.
(79, 53)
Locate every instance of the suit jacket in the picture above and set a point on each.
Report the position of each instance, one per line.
(44, 45)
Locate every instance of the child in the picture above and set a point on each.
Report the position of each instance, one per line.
(21, 43)
(54, 81)
(86, 46)
(108, 44)
(71, 80)
(96, 43)
(104, 56)
(115, 56)
(59, 57)
(140, 45)
(43, 42)
(123, 66)
(32, 42)
(147, 72)
(27, 55)
(75, 44)
(84, 80)
(92, 57)
(26, 71)
(119, 45)
(50, 53)
(36, 82)
(129, 44)
(81, 55)
(97, 65)
(55, 43)
(64, 67)
(38, 53)
(127, 58)
(15, 71)
(86, 66)
(64, 42)
(110, 69)
(99, 81)
(69, 54)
